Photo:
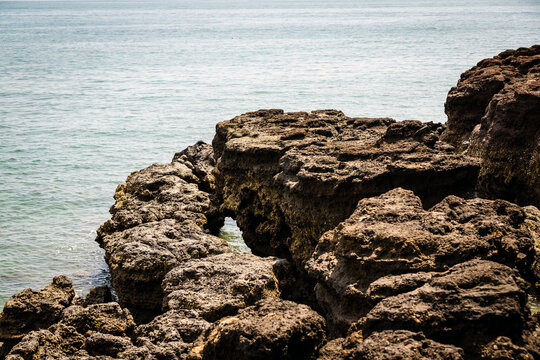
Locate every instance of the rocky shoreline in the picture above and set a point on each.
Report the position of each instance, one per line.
(370, 239)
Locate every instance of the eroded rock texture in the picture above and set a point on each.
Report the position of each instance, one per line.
(470, 305)
(289, 177)
(270, 329)
(220, 285)
(494, 113)
(31, 310)
(390, 241)
(162, 217)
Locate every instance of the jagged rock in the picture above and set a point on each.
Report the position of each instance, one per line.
(404, 345)
(170, 336)
(289, 177)
(32, 310)
(270, 329)
(140, 257)
(469, 306)
(161, 218)
(493, 113)
(81, 333)
(220, 285)
(393, 235)
(200, 158)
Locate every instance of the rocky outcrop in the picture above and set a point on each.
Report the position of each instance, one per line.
(289, 177)
(31, 310)
(270, 329)
(493, 113)
(470, 305)
(388, 243)
(162, 217)
(377, 224)
(81, 333)
(220, 285)
(171, 335)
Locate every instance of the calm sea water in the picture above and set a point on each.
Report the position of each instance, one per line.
(92, 90)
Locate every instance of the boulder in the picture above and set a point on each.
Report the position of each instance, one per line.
(140, 257)
(171, 335)
(31, 310)
(405, 345)
(493, 114)
(289, 177)
(389, 243)
(100, 330)
(220, 285)
(469, 306)
(163, 215)
(270, 329)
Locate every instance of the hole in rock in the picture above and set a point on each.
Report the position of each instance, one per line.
(231, 233)
(534, 303)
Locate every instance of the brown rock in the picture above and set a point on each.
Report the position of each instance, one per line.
(100, 330)
(270, 329)
(162, 216)
(32, 310)
(289, 177)
(469, 306)
(405, 345)
(220, 285)
(380, 250)
(493, 113)
(170, 335)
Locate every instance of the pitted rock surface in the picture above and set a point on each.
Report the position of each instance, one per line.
(31, 310)
(289, 177)
(494, 113)
(270, 329)
(469, 306)
(390, 239)
(220, 285)
(163, 216)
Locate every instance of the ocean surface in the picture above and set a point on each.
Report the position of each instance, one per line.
(92, 90)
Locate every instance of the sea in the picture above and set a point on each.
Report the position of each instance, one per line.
(93, 90)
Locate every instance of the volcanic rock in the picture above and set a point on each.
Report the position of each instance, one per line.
(384, 247)
(289, 177)
(270, 329)
(494, 113)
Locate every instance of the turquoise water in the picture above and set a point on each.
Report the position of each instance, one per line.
(92, 90)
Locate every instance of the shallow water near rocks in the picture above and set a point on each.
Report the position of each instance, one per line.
(92, 90)
(233, 235)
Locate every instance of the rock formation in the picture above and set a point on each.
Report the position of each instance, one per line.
(270, 329)
(390, 240)
(385, 249)
(161, 218)
(494, 113)
(289, 177)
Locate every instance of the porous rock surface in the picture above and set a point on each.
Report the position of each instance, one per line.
(289, 177)
(270, 329)
(377, 222)
(494, 113)
(392, 234)
(468, 305)
(162, 217)
(220, 285)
